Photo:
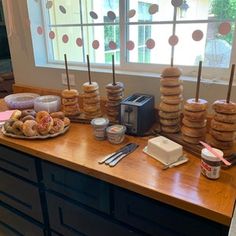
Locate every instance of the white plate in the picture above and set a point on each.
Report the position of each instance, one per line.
(34, 137)
(21, 100)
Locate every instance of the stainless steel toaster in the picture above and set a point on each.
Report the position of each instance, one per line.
(137, 113)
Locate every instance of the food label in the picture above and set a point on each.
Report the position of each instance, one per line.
(212, 172)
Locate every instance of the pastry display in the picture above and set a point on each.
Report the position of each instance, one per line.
(171, 99)
(29, 123)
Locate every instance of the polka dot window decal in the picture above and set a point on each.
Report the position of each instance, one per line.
(150, 43)
(93, 15)
(79, 42)
(176, 3)
(111, 15)
(62, 9)
(173, 40)
(197, 35)
(224, 28)
(153, 9)
(95, 44)
(40, 30)
(131, 13)
(130, 45)
(49, 4)
(112, 45)
(65, 38)
(51, 35)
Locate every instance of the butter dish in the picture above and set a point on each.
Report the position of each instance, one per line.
(163, 149)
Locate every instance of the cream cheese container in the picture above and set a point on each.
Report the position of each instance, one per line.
(164, 150)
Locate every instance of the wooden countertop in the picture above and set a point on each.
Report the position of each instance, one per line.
(182, 186)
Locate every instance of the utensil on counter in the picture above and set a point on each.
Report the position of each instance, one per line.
(113, 158)
(180, 160)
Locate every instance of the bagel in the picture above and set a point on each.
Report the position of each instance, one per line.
(17, 127)
(169, 115)
(221, 126)
(91, 100)
(57, 127)
(58, 114)
(169, 107)
(196, 124)
(171, 72)
(192, 105)
(221, 106)
(69, 93)
(40, 115)
(193, 132)
(69, 101)
(116, 86)
(66, 121)
(28, 117)
(168, 91)
(91, 94)
(29, 128)
(170, 82)
(219, 144)
(173, 99)
(195, 116)
(222, 136)
(169, 122)
(8, 125)
(192, 140)
(226, 118)
(170, 129)
(29, 112)
(90, 87)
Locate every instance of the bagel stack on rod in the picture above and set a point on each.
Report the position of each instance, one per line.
(223, 124)
(115, 93)
(91, 97)
(171, 99)
(70, 103)
(195, 114)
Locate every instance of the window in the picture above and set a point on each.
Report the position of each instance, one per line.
(144, 35)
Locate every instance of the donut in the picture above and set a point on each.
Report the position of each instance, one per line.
(29, 128)
(66, 121)
(170, 82)
(58, 114)
(196, 124)
(219, 144)
(227, 118)
(28, 117)
(8, 125)
(192, 140)
(57, 127)
(193, 132)
(45, 124)
(17, 127)
(174, 99)
(168, 91)
(169, 107)
(29, 112)
(169, 115)
(195, 116)
(90, 87)
(222, 136)
(170, 129)
(69, 101)
(16, 115)
(221, 126)
(192, 105)
(40, 115)
(221, 106)
(72, 93)
(171, 72)
(169, 122)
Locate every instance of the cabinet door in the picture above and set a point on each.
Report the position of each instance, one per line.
(18, 163)
(79, 187)
(13, 225)
(71, 220)
(157, 218)
(20, 195)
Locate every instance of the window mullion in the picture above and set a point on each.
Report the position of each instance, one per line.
(123, 31)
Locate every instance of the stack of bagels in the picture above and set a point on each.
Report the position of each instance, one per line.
(194, 121)
(91, 100)
(223, 126)
(70, 105)
(171, 98)
(115, 93)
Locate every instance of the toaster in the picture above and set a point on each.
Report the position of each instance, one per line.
(137, 113)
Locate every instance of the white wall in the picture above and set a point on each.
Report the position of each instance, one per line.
(27, 74)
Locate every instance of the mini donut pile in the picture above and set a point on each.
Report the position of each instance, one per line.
(115, 93)
(223, 126)
(194, 121)
(29, 123)
(70, 105)
(171, 98)
(91, 100)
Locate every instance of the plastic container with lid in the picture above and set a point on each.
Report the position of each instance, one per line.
(116, 133)
(49, 103)
(99, 127)
(210, 164)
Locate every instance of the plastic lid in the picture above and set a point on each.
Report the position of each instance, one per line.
(209, 156)
(99, 121)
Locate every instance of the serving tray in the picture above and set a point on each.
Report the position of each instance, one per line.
(34, 137)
